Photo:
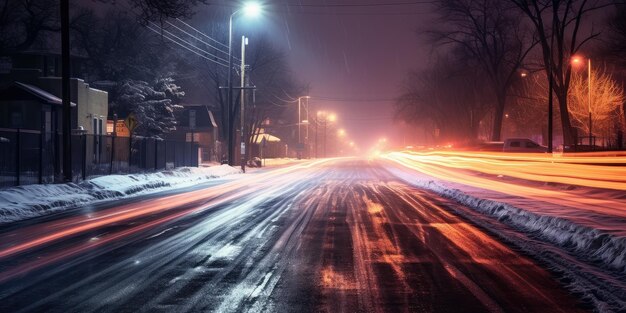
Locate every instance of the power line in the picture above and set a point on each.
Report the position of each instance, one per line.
(357, 13)
(189, 43)
(198, 39)
(333, 99)
(203, 34)
(342, 5)
(185, 47)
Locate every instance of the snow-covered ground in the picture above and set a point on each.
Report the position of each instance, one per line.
(581, 230)
(23, 202)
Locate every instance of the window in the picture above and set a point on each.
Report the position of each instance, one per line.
(515, 144)
(531, 144)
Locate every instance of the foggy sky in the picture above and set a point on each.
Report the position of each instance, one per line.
(355, 56)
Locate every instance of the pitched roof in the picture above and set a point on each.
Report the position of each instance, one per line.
(41, 94)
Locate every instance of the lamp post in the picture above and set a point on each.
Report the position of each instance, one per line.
(242, 98)
(578, 61)
(250, 9)
(300, 123)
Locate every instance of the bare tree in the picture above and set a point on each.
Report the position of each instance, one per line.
(614, 46)
(488, 34)
(560, 20)
(150, 10)
(25, 22)
(607, 98)
(447, 96)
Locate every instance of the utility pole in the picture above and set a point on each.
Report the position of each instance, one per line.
(65, 90)
(299, 120)
(316, 133)
(229, 126)
(244, 43)
(325, 122)
(306, 137)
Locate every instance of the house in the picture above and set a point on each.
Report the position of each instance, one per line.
(28, 107)
(41, 70)
(195, 123)
(31, 116)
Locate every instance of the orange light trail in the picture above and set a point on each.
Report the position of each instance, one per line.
(465, 168)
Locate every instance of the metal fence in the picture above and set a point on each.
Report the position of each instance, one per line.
(31, 157)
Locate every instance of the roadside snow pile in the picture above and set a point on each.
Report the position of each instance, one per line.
(607, 250)
(23, 202)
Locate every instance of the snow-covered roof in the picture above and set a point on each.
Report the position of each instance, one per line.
(41, 94)
(268, 138)
(212, 118)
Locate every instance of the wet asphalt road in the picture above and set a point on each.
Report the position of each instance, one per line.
(334, 236)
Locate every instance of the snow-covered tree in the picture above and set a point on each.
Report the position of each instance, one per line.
(153, 105)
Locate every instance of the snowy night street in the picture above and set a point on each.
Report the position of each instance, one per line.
(289, 156)
(334, 235)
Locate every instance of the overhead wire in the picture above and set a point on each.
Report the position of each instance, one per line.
(351, 5)
(203, 34)
(186, 47)
(198, 39)
(190, 44)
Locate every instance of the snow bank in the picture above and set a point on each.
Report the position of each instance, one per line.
(606, 250)
(23, 202)
(589, 262)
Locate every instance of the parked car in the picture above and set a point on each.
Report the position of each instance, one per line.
(522, 145)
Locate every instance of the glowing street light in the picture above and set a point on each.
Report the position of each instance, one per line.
(250, 9)
(332, 117)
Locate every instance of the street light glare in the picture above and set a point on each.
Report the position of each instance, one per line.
(252, 9)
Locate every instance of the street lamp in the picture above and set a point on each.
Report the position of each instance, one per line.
(579, 61)
(250, 9)
(300, 121)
